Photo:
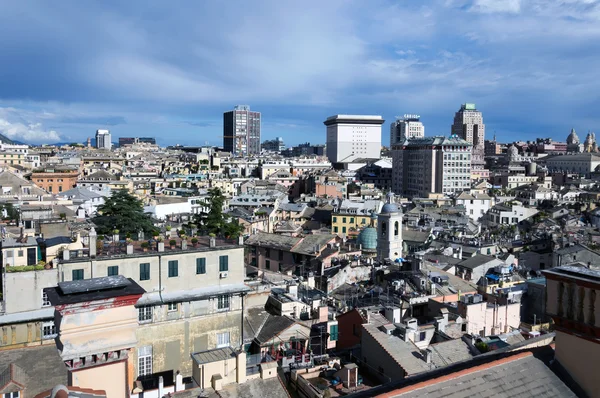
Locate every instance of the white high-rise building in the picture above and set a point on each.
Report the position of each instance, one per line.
(103, 139)
(352, 137)
(406, 127)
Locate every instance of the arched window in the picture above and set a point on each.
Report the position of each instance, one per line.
(396, 230)
(383, 228)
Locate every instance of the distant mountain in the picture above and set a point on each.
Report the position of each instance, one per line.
(6, 140)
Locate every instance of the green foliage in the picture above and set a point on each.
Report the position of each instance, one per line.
(123, 212)
(214, 221)
(11, 212)
(172, 242)
(482, 347)
(145, 245)
(194, 241)
(24, 268)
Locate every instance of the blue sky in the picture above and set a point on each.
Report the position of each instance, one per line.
(170, 69)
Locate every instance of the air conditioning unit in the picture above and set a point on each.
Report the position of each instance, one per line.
(223, 274)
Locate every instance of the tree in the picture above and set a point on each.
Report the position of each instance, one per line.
(124, 212)
(214, 221)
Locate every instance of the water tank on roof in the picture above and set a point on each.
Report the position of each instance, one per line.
(477, 298)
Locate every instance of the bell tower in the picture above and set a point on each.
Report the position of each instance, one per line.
(389, 230)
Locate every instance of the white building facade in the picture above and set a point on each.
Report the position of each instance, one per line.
(431, 165)
(351, 137)
(103, 139)
(407, 127)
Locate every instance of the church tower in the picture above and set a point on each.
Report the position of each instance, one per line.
(389, 231)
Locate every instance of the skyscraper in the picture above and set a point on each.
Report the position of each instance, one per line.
(468, 125)
(241, 131)
(407, 127)
(351, 137)
(103, 139)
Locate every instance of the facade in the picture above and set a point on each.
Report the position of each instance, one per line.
(580, 163)
(96, 324)
(468, 124)
(352, 137)
(406, 128)
(193, 299)
(275, 145)
(476, 204)
(103, 139)
(492, 148)
(431, 165)
(508, 214)
(55, 181)
(573, 302)
(136, 140)
(241, 131)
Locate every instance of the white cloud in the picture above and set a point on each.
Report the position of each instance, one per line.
(28, 133)
(496, 6)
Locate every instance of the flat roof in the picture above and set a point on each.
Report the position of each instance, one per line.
(354, 119)
(216, 355)
(92, 290)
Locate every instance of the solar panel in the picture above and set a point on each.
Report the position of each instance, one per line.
(94, 285)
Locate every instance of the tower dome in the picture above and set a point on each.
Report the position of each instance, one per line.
(573, 139)
(368, 239)
(390, 206)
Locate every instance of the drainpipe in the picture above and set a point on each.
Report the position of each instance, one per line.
(160, 278)
(242, 319)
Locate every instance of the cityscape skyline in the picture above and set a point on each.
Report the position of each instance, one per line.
(160, 74)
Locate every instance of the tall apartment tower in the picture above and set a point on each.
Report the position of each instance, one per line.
(468, 125)
(241, 131)
(351, 137)
(406, 127)
(103, 139)
(431, 165)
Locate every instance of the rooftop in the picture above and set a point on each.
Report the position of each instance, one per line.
(216, 355)
(106, 287)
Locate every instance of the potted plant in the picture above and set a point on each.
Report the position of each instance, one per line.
(145, 246)
(168, 227)
(172, 243)
(155, 234)
(195, 242)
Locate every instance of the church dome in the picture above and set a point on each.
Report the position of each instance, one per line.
(513, 152)
(368, 238)
(573, 139)
(389, 208)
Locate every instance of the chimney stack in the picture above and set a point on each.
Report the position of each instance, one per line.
(93, 237)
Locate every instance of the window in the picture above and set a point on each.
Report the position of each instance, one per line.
(77, 274)
(9, 253)
(45, 301)
(20, 253)
(145, 360)
(343, 230)
(48, 330)
(344, 220)
(335, 229)
(171, 307)
(201, 265)
(222, 339)
(351, 220)
(334, 219)
(267, 264)
(145, 271)
(422, 336)
(333, 332)
(113, 270)
(15, 394)
(173, 268)
(145, 313)
(223, 302)
(223, 263)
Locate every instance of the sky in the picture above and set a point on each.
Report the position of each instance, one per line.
(169, 69)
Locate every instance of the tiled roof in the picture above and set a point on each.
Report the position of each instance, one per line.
(516, 376)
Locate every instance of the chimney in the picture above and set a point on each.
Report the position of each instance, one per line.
(428, 356)
(179, 382)
(161, 246)
(93, 238)
(212, 242)
(161, 389)
(241, 240)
